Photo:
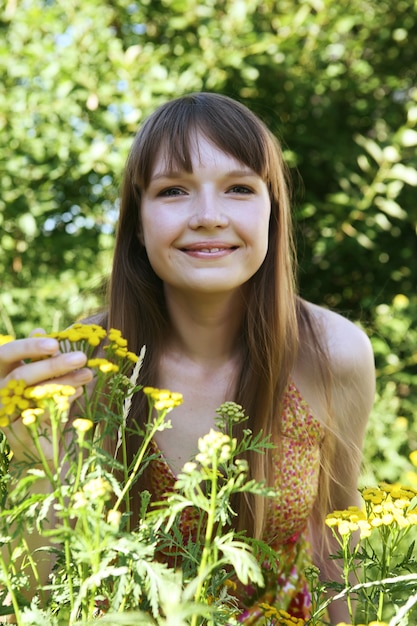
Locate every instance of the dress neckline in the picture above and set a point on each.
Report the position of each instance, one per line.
(291, 389)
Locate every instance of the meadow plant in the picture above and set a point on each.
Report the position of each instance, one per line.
(377, 551)
(74, 495)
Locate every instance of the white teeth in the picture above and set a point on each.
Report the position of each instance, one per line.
(210, 249)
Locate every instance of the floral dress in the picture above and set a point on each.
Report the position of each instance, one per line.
(297, 474)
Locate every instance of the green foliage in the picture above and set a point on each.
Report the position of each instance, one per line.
(392, 429)
(335, 80)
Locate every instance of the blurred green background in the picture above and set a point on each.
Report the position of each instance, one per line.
(334, 79)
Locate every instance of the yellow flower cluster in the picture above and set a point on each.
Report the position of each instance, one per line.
(95, 490)
(17, 398)
(82, 424)
(91, 334)
(370, 624)
(384, 506)
(12, 400)
(279, 616)
(5, 339)
(163, 399)
(103, 365)
(86, 336)
(215, 442)
(118, 346)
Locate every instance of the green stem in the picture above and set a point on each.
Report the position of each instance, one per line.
(9, 586)
(79, 462)
(384, 568)
(147, 440)
(35, 572)
(125, 470)
(207, 554)
(347, 562)
(56, 487)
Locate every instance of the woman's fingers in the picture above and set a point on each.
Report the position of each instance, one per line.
(37, 360)
(34, 348)
(76, 379)
(52, 368)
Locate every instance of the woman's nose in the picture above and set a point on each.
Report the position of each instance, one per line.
(208, 211)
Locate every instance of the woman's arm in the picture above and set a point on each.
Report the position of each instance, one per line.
(352, 390)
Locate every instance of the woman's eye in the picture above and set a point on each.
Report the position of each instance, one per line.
(240, 189)
(171, 191)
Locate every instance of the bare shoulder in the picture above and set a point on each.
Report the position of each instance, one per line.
(351, 368)
(347, 345)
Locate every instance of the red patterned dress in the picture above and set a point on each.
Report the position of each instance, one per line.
(297, 476)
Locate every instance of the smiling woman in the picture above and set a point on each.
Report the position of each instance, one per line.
(204, 276)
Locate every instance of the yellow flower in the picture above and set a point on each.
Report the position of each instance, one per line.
(413, 457)
(115, 336)
(122, 352)
(98, 488)
(370, 624)
(230, 584)
(92, 334)
(5, 339)
(103, 365)
(131, 356)
(189, 467)
(268, 610)
(49, 391)
(412, 519)
(163, 399)
(365, 528)
(30, 416)
(215, 444)
(4, 421)
(80, 501)
(285, 619)
(114, 517)
(372, 494)
(82, 424)
(12, 399)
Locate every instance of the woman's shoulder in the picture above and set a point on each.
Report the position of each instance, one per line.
(345, 342)
(348, 358)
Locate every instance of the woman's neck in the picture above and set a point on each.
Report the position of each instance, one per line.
(205, 329)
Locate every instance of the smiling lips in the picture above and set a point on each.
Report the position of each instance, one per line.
(204, 249)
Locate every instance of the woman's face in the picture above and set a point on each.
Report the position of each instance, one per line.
(205, 231)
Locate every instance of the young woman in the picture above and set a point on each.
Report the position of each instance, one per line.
(203, 275)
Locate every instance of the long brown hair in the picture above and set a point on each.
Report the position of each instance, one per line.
(270, 332)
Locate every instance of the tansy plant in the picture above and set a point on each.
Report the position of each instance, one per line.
(73, 553)
(377, 550)
(66, 507)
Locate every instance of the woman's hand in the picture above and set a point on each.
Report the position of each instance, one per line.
(59, 368)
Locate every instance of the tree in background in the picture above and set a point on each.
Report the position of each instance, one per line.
(335, 80)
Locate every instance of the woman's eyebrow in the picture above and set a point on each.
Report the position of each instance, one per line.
(180, 173)
(241, 173)
(168, 174)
